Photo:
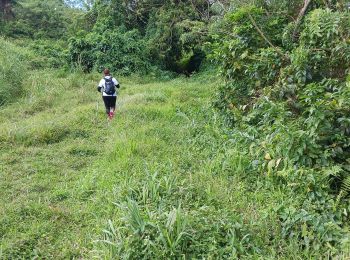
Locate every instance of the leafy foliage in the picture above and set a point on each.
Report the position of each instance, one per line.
(124, 52)
(39, 19)
(48, 54)
(142, 35)
(305, 89)
(167, 34)
(287, 99)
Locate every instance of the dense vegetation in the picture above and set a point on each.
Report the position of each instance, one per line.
(143, 34)
(286, 97)
(249, 162)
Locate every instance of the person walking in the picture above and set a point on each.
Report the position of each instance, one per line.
(108, 87)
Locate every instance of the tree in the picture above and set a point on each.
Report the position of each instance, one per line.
(39, 19)
(6, 8)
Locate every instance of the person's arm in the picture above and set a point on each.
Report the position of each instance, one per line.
(116, 83)
(100, 86)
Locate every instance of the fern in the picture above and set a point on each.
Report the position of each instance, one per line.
(344, 190)
(345, 186)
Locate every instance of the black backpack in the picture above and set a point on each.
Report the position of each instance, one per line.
(109, 86)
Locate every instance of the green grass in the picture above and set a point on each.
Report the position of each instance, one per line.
(161, 181)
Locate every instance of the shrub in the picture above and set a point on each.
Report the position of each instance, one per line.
(49, 54)
(114, 49)
(288, 101)
(266, 94)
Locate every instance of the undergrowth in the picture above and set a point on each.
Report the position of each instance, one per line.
(286, 104)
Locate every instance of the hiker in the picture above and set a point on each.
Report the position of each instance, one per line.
(107, 87)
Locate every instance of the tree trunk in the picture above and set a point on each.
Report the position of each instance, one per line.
(6, 9)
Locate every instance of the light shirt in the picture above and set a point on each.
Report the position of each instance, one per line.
(102, 85)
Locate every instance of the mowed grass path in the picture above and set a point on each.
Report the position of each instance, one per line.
(160, 181)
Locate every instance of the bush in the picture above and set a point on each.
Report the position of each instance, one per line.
(49, 54)
(115, 49)
(268, 93)
(288, 101)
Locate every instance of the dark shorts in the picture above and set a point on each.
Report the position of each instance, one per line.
(109, 102)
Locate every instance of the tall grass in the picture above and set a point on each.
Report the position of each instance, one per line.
(13, 71)
(161, 181)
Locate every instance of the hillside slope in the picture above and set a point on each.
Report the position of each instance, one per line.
(160, 181)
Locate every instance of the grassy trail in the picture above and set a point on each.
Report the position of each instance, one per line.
(161, 181)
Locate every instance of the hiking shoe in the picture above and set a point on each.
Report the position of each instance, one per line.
(110, 115)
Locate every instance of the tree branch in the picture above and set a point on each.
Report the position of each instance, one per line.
(265, 38)
(300, 17)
